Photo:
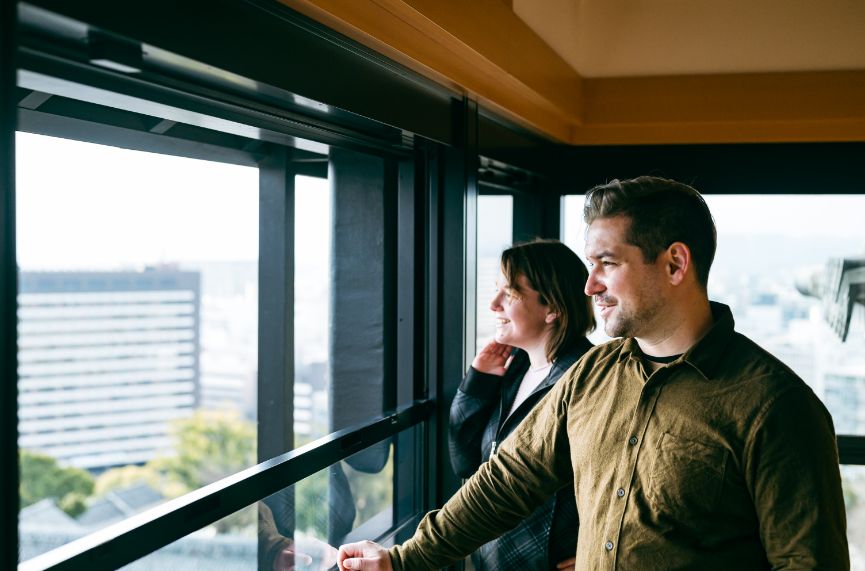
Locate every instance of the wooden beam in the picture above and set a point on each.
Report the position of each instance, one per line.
(480, 48)
(780, 107)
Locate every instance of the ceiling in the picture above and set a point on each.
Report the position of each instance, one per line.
(602, 72)
(622, 38)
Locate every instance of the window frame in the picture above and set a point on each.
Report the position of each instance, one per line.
(409, 369)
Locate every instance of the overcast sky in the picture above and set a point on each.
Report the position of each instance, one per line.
(81, 205)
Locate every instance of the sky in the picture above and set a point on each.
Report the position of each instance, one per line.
(100, 207)
(815, 218)
(86, 206)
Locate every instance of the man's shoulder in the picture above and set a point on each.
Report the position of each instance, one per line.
(599, 357)
(745, 360)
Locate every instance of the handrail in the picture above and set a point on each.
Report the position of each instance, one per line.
(126, 541)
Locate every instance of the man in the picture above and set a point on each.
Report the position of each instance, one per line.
(688, 446)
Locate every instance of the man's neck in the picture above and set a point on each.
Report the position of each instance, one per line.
(680, 329)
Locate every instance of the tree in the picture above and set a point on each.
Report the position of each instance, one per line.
(208, 446)
(42, 477)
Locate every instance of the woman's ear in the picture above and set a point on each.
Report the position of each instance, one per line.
(551, 317)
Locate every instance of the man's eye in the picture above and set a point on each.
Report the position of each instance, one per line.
(606, 263)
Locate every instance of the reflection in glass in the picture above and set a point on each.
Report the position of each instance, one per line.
(297, 528)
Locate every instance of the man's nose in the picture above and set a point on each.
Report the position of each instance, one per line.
(593, 286)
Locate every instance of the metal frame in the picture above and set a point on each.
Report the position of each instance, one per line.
(851, 449)
(157, 96)
(456, 194)
(131, 539)
(9, 500)
(345, 80)
(276, 305)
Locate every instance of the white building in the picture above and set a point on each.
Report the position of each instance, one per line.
(106, 360)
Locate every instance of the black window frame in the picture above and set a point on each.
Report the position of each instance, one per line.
(428, 197)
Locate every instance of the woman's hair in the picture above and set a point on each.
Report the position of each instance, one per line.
(559, 276)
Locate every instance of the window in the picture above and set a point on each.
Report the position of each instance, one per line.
(137, 331)
(774, 269)
(495, 233)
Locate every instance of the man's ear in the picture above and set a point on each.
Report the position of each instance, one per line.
(678, 262)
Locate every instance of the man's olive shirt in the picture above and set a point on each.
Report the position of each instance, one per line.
(723, 459)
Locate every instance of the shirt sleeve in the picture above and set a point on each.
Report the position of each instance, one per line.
(531, 465)
(792, 471)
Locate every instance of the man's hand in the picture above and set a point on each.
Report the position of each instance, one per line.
(289, 560)
(567, 564)
(493, 359)
(364, 556)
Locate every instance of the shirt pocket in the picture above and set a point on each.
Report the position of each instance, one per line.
(685, 477)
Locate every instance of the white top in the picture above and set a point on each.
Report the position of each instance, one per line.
(531, 380)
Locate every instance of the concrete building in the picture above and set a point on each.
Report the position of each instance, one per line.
(106, 360)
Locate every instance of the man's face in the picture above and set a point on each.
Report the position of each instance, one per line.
(629, 292)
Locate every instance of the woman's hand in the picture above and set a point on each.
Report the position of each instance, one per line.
(568, 564)
(493, 359)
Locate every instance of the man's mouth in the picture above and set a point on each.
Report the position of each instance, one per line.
(500, 321)
(605, 308)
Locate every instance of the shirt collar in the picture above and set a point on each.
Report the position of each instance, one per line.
(706, 353)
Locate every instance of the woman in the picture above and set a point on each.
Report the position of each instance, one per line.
(543, 317)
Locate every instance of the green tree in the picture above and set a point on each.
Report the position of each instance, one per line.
(42, 477)
(208, 446)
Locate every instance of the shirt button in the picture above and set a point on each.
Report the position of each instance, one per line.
(632, 440)
(608, 546)
(620, 492)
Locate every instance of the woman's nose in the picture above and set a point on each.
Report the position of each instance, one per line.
(496, 301)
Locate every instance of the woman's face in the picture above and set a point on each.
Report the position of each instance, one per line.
(521, 319)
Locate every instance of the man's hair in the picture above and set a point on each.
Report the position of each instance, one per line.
(559, 276)
(661, 211)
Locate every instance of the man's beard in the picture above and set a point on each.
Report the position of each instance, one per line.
(628, 323)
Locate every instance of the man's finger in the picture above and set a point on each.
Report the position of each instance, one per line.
(356, 564)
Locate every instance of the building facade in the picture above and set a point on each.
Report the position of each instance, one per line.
(107, 360)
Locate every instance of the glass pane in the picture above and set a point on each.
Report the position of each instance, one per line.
(312, 278)
(495, 233)
(574, 236)
(772, 271)
(853, 480)
(137, 331)
(346, 502)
